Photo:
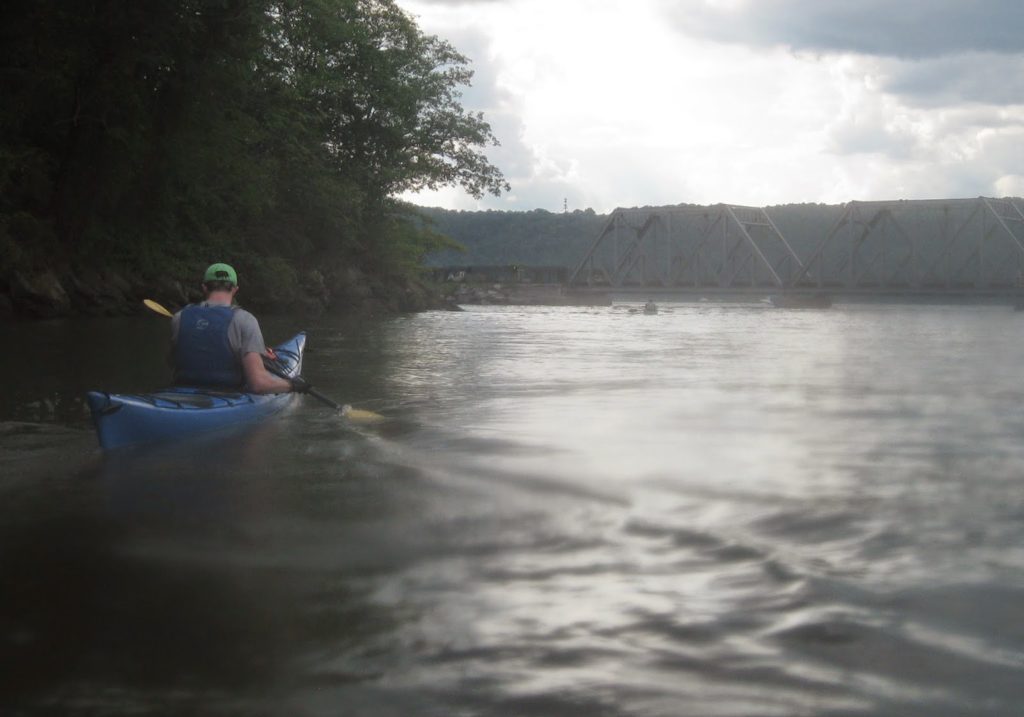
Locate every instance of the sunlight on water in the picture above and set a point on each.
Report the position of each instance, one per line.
(716, 510)
(725, 490)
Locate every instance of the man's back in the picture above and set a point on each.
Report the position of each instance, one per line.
(210, 339)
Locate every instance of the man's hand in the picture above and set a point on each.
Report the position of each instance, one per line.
(300, 385)
(259, 379)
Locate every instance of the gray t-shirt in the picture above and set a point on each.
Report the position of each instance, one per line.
(244, 335)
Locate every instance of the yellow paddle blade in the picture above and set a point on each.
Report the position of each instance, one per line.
(153, 306)
(359, 415)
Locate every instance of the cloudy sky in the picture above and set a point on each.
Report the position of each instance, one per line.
(608, 103)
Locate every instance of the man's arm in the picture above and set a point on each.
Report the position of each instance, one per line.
(175, 324)
(246, 338)
(258, 379)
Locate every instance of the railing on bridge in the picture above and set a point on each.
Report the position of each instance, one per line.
(966, 245)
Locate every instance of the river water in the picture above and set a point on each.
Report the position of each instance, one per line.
(722, 509)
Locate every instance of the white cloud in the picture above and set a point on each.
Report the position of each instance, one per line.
(607, 103)
(1010, 185)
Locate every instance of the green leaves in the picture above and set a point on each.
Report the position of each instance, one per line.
(385, 95)
(277, 128)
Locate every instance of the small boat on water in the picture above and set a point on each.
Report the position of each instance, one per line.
(801, 301)
(129, 419)
(650, 307)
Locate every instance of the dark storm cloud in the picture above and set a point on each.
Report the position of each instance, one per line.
(887, 28)
(977, 78)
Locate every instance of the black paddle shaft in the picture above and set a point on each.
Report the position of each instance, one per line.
(275, 367)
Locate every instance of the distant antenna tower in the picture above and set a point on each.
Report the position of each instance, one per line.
(565, 205)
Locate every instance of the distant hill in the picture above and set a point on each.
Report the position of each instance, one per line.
(536, 238)
(542, 238)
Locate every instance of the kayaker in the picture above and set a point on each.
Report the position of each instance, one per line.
(216, 343)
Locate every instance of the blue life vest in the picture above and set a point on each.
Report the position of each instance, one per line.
(203, 354)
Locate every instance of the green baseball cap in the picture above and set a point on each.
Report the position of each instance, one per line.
(220, 272)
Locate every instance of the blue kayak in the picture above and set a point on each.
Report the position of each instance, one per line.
(128, 419)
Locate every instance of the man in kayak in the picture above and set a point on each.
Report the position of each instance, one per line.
(216, 343)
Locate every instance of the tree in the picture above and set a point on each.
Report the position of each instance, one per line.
(146, 134)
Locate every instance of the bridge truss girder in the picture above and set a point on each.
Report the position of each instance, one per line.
(956, 244)
(726, 247)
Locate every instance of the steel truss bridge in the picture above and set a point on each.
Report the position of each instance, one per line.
(917, 246)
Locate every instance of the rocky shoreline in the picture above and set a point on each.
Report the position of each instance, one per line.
(47, 294)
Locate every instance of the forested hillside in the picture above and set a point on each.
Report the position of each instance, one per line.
(541, 238)
(140, 141)
(538, 238)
